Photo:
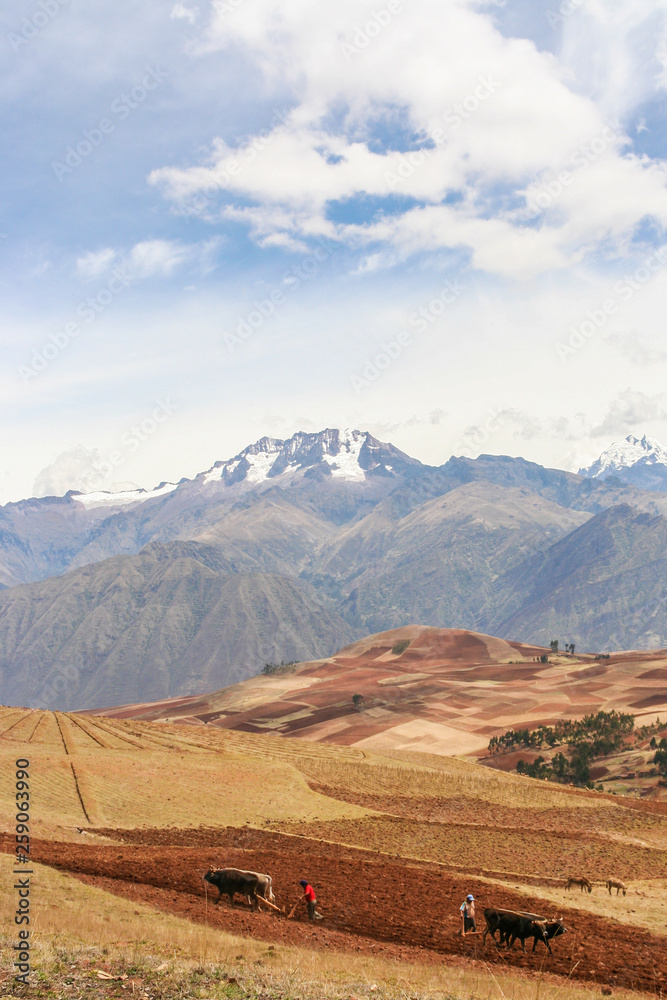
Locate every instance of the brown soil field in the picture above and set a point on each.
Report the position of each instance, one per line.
(369, 902)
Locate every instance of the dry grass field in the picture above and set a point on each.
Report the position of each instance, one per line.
(127, 815)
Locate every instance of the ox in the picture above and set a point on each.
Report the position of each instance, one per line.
(231, 881)
(542, 930)
(615, 883)
(579, 880)
(513, 925)
(264, 885)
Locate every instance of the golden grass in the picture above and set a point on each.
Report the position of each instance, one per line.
(160, 788)
(78, 928)
(423, 775)
(492, 849)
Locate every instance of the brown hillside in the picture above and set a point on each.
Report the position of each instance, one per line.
(446, 693)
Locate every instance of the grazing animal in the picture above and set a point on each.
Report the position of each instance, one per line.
(514, 925)
(230, 881)
(615, 883)
(579, 880)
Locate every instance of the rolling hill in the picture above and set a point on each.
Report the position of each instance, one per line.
(444, 691)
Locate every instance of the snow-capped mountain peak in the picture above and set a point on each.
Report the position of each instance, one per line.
(639, 461)
(350, 455)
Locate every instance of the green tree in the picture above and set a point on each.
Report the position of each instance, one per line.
(661, 757)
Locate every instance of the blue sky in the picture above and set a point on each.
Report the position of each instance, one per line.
(441, 221)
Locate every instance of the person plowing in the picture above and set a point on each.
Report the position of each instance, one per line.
(311, 900)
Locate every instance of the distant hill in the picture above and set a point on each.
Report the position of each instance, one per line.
(173, 619)
(442, 691)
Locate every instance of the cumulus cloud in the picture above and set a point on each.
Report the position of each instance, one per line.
(77, 468)
(635, 349)
(481, 125)
(629, 412)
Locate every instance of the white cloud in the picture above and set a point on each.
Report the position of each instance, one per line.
(629, 411)
(77, 468)
(506, 119)
(156, 257)
(95, 263)
(151, 258)
(635, 349)
(181, 12)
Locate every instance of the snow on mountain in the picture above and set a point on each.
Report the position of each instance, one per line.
(350, 455)
(103, 498)
(642, 462)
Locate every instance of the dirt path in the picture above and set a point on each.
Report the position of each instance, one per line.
(372, 903)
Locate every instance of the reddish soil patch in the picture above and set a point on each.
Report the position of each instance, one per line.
(402, 909)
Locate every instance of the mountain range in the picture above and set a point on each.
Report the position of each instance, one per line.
(293, 548)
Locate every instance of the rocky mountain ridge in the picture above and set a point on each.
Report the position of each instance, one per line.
(314, 542)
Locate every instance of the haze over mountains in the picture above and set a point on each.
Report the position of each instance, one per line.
(293, 548)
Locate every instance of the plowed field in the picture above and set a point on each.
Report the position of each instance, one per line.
(370, 901)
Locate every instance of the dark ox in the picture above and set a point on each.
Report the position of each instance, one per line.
(521, 925)
(230, 881)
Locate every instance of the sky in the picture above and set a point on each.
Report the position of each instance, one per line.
(442, 221)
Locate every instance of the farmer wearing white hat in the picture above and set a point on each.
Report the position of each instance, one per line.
(468, 914)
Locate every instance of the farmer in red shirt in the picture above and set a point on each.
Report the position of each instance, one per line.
(311, 901)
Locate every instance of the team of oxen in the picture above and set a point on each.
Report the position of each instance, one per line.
(511, 925)
(514, 925)
(255, 886)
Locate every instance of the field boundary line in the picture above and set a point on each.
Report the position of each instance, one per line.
(39, 722)
(62, 735)
(14, 725)
(78, 792)
(84, 730)
(126, 739)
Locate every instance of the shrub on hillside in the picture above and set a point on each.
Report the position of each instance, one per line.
(280, 668)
